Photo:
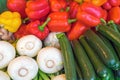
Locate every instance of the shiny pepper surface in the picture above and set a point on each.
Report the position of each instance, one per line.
(38, 29)
(10, 20)
(17, 6)
(37, 9)
(90, 14)
(57, 5)
(59, 22)
(114, 14)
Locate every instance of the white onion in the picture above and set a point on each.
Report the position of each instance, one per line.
(29, 45)
(51, 40)
(4, 76)
(22, 68)
(50, 60)
(59, 77)
(7, 53)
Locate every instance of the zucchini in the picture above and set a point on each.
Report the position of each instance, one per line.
(102, 49)
(84, 63)
(111, 34)
(102, 71)
(68, 58)
(79, 74)
(117, 74)
(109, 44)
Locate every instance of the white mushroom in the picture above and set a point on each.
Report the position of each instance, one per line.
(7, 53)
(50, 60)
(51, 40)
(4, 76)
(29, 45)
(22, 68)
(59, 77)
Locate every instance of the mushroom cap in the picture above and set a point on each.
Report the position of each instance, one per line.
(28, 45)
(22, 68)
(4, 76)
(50, 60)
(7, 53)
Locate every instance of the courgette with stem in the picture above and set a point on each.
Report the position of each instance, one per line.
(102, 71)
(102, 49)
(111, 34)
(84, 63)
(68, 58)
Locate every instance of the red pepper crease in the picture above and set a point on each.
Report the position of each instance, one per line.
(21, 32)
(37, 9)
(17, 6)
(35, 28)
(59, 22)
(76, 31)
(90, 14)
(73, 9)
(57, 5)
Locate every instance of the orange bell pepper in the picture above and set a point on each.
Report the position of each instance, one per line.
(98, 2)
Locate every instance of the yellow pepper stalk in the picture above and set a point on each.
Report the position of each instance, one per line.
(10, 20)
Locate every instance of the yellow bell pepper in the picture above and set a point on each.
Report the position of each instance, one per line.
(10, 20)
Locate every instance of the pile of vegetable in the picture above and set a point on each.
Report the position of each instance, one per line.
(59, 39)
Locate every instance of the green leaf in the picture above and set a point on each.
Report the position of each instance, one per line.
(3, 5)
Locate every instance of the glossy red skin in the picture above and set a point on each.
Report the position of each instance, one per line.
(18, 6)
(114, 14)
(76, 31)
(33, 28)
(57, 5)
(37, 9)
(59, 22)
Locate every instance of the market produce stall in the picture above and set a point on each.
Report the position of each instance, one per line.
(59, 39)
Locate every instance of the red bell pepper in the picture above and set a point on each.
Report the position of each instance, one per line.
(59, 22)
(114, 2)
(107, 6)
(17, 6)
(111, 3)
(57, 5)
(90, 14)
(73, 9)
(114, 14)
(37, 9)
(21, 32)
(76, 31)
(35, 28)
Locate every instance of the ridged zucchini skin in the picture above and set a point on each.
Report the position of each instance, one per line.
(102, 50)
(68, 58)
(117, 75)
(102, 71)
(111, 34)
(84, 63)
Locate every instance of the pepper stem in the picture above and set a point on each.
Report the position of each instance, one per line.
(113, 25)
(103, 22)
(72, 20)
(41, 27)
